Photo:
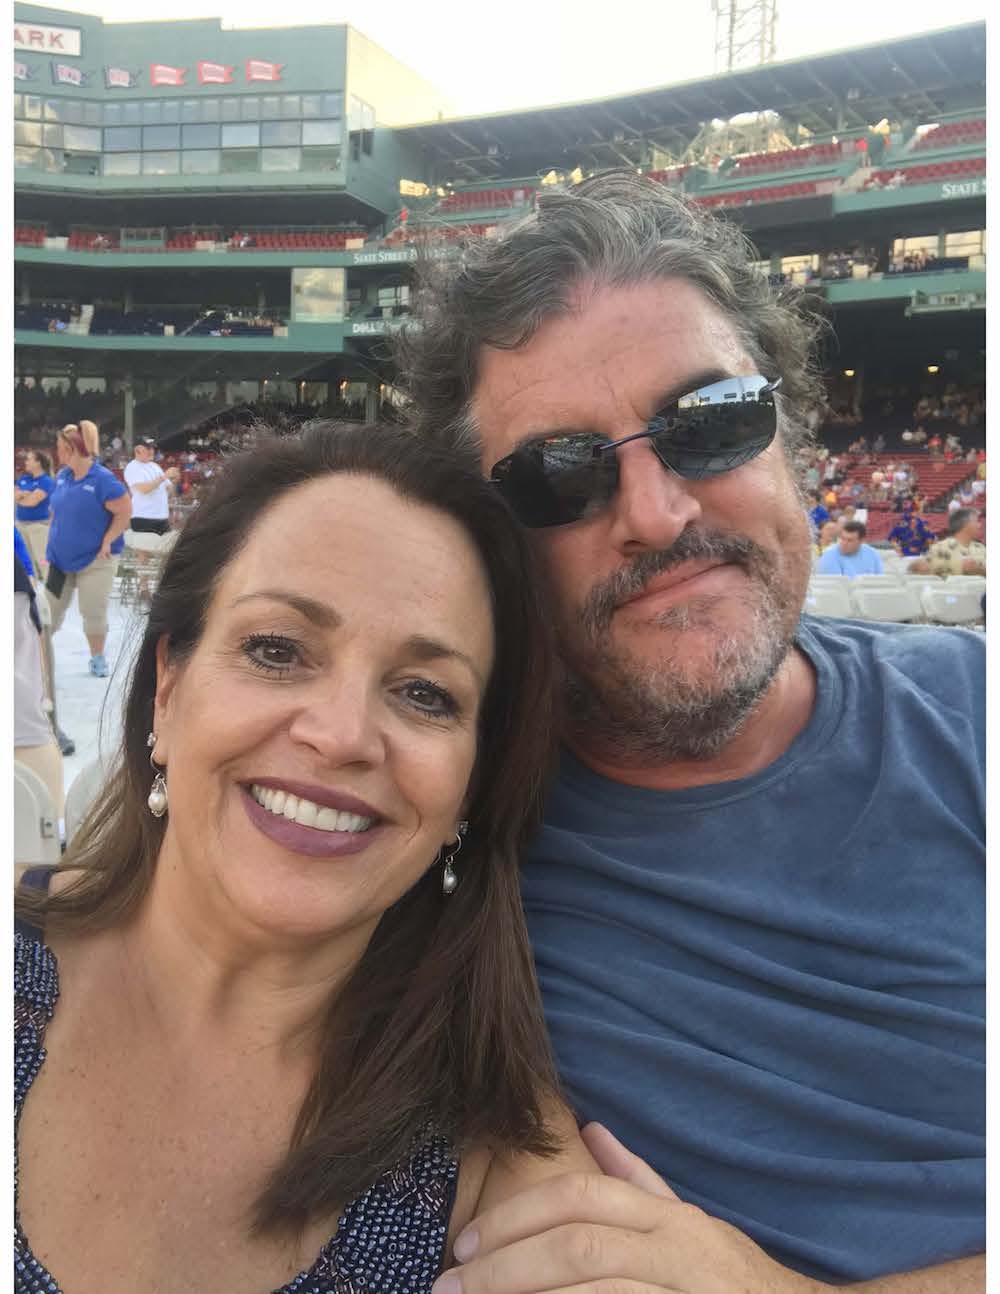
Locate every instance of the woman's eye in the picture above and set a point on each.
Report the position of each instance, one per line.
(269, 652)
(430, 698)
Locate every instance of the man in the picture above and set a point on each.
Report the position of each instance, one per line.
(756, 912)
(850, 556)
(963, 552)
(150, 487)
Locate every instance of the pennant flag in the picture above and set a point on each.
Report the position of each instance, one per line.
(22, 72)
(63, 74)
(259, 69)
(164, 74)
(214, 73)
(120, 78)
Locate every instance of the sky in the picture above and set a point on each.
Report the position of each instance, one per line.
(524, 53)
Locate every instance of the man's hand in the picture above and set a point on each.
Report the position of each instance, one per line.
(105, 550)
(172, 474)
(624, 1233)
(971, 567)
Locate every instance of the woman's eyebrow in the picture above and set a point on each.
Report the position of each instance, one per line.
(427, 649)
(320, 613)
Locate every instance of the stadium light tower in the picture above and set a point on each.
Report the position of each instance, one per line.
(745, 33)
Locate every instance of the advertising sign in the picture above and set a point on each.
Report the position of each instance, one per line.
(64, 74)
(318, 295)
(42, 39)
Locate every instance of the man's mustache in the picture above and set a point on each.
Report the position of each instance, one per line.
(694, 543)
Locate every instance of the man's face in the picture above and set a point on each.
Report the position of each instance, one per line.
(143, 453)
(850, 542)
(677, 603)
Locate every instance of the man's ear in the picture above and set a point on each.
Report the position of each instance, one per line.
(167, 672)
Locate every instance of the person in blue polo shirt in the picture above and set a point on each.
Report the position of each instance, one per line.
(91, 510)
(31, 501)
(850, 556)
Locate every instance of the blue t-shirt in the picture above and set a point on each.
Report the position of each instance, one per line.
(39, 511)
(913, 535)
(79, 518)
(818, 515)
(772, 989)
(865, 561)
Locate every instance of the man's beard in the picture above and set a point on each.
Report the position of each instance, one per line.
(637, 712)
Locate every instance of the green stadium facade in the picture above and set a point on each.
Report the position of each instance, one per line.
(209, 216)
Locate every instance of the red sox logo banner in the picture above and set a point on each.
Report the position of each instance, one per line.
(214, 73)
(63, 74)
(164, 74)
(22, 72)
(259, 69)
(120, 78)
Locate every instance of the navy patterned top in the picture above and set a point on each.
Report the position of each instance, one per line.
(390, 1240)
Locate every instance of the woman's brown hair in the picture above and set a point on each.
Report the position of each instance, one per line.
(43, 459)
(73, 437)
(440, 1026)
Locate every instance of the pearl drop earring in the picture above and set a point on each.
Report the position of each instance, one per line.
(157, 798)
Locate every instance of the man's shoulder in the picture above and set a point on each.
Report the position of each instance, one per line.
(943, 662)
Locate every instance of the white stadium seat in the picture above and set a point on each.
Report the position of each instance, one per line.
(952, 606)
(36, 827)
(889, 602)
(829, 599)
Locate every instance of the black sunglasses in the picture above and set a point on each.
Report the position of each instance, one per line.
(561, 479)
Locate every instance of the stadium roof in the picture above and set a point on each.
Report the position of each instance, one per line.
(925, 75)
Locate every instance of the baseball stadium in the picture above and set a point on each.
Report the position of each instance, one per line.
(499, 669)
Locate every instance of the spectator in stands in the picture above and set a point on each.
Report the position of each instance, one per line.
(90, 514)
(878, 445)
(850, 556)
(963, 552)
(911, 536)
(827, 537)
(34, 742)
(817, 511)
(150, 487)
(31, 497)
(344, 678)
(704, 710)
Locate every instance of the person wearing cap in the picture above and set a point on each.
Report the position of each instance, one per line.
(150, 488)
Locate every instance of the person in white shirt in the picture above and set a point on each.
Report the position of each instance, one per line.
(150, 487)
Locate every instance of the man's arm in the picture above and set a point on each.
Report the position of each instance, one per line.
(147, 487)
(628, 1230)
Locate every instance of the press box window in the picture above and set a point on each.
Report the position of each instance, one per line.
(204, 161)
(279, 134)
(121, 164)
(122, 139)
(200, 136)
(161, 137)
(321, 132)
(280, 159)
(241, 136)
(82, 139)
(238, 161)
(161, 163)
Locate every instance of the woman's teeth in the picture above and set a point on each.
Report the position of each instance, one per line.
(308, 814)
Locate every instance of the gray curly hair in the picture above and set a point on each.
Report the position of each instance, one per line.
(615, 229)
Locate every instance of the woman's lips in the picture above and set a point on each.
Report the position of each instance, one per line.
(307, 840)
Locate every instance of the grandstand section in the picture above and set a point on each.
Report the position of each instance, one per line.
(210, 219)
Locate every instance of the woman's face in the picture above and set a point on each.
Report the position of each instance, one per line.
(64, 452)
(321, 737)
(32, 465)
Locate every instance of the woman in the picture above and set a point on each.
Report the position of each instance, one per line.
(90, 514)
(31, 497)
(293, 977)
